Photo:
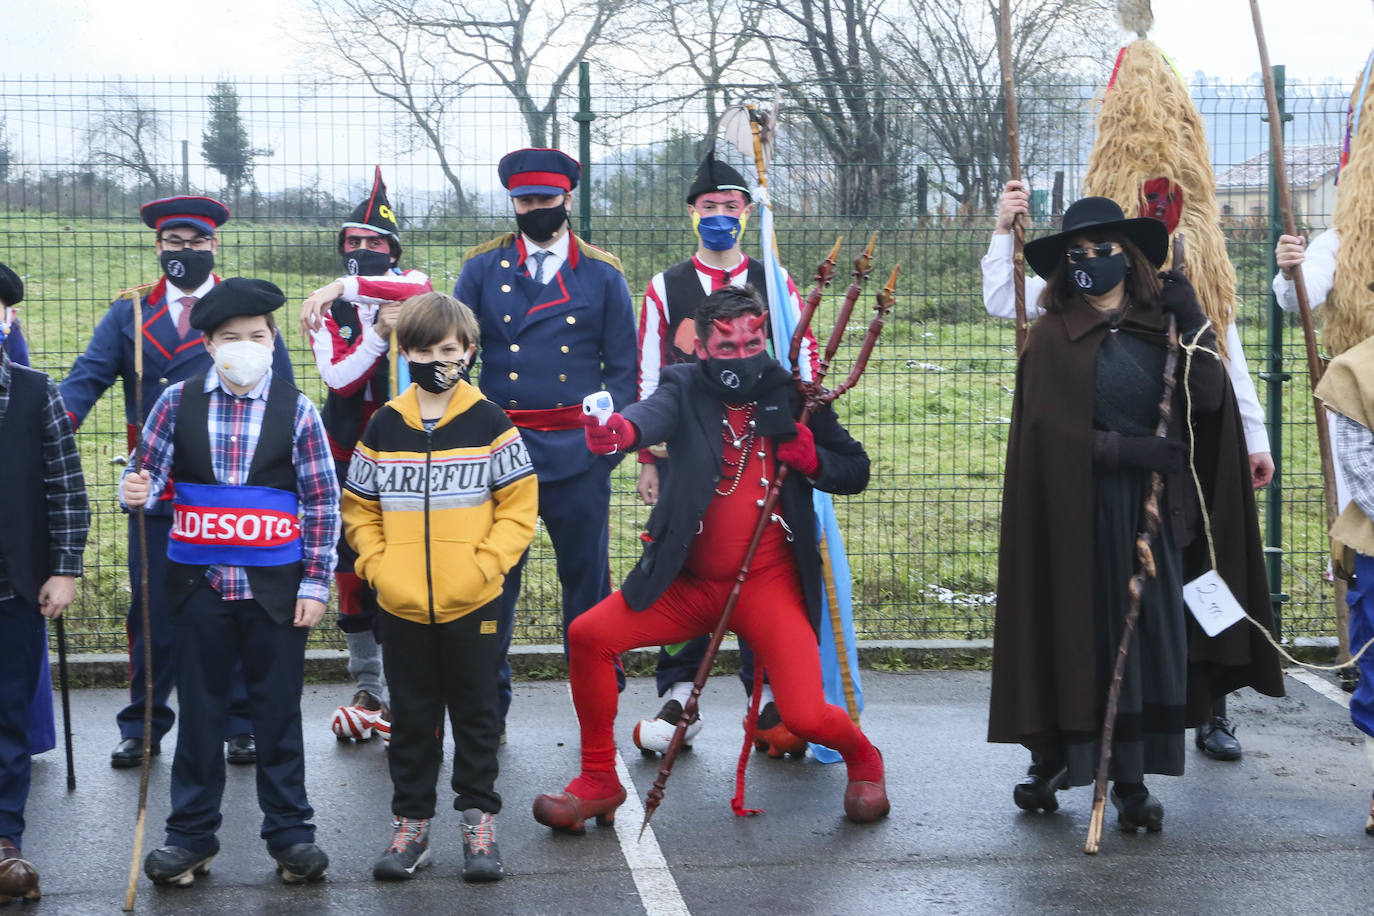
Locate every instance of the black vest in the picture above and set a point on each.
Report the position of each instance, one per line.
(274, 587)
(682, 289)
(343, 414)
(24, 533)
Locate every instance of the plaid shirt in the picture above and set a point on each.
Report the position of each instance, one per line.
(69, 517)
(234, 426)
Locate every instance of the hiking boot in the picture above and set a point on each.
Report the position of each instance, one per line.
(409, 850)
(481, 855)
(652, 736)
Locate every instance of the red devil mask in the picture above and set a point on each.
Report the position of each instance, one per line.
(743, 335)
(1163, 200)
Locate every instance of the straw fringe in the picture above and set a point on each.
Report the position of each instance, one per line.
(1148, 127)
(1348, 315)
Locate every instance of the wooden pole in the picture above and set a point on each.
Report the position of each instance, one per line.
(1018, 226)
(1315, 368)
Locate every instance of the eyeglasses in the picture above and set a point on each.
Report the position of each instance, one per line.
(178, 243)
(1078, 255)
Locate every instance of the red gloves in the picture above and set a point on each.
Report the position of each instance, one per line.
(617, 435)
(800, 452)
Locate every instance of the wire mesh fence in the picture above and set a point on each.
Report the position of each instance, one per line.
(78, 157)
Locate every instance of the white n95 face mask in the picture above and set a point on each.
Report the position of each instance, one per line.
(243, 362)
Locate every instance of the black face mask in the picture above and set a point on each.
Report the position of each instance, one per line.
(1098, 276)
(734, 381)
(364, 263)
(438, 376)
(542, 225)
(188, 268)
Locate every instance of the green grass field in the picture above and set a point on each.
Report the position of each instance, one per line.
(932, 410)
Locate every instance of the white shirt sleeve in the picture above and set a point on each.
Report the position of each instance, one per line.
(1251, 414)
(999, 293)
(1318, 273)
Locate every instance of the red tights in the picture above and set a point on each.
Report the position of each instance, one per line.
(771, 616)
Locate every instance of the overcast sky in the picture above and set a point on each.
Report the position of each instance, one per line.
(1315, 39)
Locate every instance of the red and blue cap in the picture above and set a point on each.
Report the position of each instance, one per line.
(201, 213)
(538, 171)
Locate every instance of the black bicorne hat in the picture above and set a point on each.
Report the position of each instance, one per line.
(1090, 215)
(714, 175)
(375, 213)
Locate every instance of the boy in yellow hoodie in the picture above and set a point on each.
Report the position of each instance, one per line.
(439, 504)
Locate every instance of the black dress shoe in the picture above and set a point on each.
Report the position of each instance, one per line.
(241, 749)
(129, 753)
(177, 865)
(1036, 791)
(1217, 739)
(1139, 810)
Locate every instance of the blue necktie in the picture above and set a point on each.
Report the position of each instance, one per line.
(539, 258)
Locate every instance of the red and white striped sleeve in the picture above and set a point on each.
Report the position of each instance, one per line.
(387, 288)
(653, 336)
(346, 365)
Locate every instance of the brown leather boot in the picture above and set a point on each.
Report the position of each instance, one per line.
(18, 879)
(566, 813)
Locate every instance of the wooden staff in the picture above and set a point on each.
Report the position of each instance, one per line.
(814, 398)
(1018, 225)
(66, 701)
(141, 525)
(1315, 368)
(1145, 569)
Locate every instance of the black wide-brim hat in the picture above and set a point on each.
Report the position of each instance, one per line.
(1090, 216)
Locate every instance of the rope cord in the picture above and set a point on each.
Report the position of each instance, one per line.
(1189, 348)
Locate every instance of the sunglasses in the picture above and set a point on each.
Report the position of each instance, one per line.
(1078, 255)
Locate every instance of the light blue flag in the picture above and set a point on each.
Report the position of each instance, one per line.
(784, 315)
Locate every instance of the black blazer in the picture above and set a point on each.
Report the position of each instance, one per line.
(683, 414)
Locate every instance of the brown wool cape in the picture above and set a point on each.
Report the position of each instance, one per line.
(1044, 668)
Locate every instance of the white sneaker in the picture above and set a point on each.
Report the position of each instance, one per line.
(652, 736)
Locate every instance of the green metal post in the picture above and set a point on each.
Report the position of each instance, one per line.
(1277, 378)
(584, 119)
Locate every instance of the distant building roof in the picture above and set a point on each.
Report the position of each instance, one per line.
(1307, 165)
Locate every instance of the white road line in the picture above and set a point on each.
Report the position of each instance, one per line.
(653, 879)
(1321, 685)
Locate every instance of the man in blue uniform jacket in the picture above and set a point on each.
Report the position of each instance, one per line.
(172, 352)
(557, 324)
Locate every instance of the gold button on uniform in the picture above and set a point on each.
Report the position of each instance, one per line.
(562, 378)
(162, 381)
(514, 376)
(515, 348)
(507, 318)
(572, 320)
(505, 263)
(505, 287)
(564, 349)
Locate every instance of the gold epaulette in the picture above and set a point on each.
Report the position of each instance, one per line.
(599, 254)
(499, 242)
(135, 291)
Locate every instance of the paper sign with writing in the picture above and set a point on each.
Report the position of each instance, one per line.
(1211, 601)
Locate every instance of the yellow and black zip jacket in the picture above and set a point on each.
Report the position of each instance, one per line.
(439, 517)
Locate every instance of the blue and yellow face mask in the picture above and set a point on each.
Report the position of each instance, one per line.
(718, 232)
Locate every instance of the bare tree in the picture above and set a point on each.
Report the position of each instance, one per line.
(364, 40)
(946, 56)
(124, 137)
(828, 58)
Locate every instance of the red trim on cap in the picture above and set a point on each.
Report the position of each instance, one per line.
(552, 179)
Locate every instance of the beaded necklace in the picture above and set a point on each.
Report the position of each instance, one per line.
(742, 440)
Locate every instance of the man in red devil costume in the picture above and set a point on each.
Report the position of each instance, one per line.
(727, 419)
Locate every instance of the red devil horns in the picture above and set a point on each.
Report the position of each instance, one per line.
(723, 325)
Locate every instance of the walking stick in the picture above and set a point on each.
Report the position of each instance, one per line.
(1309, 334)
(1145, 569)
(140, 523)
(1018, 225)
(66, 701)
(815, 396)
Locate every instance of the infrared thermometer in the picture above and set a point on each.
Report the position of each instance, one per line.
(600, 405)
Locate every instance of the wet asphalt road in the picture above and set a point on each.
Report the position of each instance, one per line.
(1281, 831)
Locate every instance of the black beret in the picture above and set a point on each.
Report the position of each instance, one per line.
(11, 287)
(234, 297)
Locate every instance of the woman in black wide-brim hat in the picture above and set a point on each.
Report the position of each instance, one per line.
(1081, 449)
